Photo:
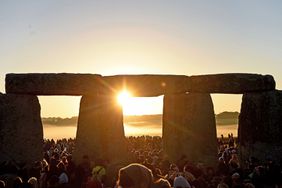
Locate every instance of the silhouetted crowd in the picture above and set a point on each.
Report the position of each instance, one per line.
(150, 168)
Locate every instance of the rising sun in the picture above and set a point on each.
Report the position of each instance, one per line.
(123, 97)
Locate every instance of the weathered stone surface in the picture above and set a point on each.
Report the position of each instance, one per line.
(146, 85)
(189, 128)
(100, 133)
(53, 84)
(231, 83)
(260, 125)
(21, 132)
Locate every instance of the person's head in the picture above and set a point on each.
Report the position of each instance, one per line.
(249, 185)
(157, 174)
(2, 184)
(221, 160)
(235, 178)
(56, 155)
(189, 176)
(234, 156)
(181, 182)
(135, 176)
(61, 167)
(222, 185)
(174, 167)
(33, 182)
(99, 173)
(210, 171)
(64, 159)
(161, 183)
(45, 166)
(69, 158)
(17, 182)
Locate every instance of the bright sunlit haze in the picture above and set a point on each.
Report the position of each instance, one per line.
(139, 105)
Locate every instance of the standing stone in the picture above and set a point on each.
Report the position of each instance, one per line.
(21, 132)
(260, 126)
(100, 133)
(189, 128)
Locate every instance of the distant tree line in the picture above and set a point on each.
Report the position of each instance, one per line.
(227, 115)
(227, 118)
(221, 119)
(59, 120)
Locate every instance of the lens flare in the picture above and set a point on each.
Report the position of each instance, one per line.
(123, 97)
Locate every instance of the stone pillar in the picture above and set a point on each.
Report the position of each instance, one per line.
(100, 133)
(21, 132)
(260, 129)
(189, 128)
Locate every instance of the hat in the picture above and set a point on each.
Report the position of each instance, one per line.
(98, 172)
(181, 182)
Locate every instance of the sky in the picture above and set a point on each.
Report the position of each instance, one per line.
(185, 37)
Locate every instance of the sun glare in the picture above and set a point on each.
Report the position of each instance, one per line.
(123, 97)
(139, 105)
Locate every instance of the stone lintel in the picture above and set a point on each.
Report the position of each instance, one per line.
(53, 84)
(233, 83)
(146, 85)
